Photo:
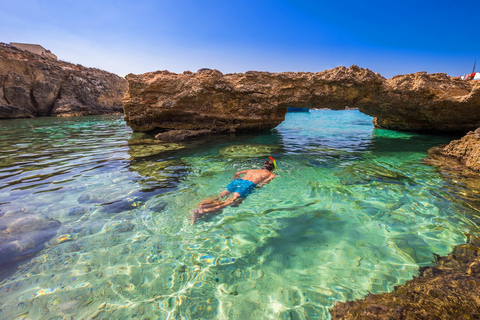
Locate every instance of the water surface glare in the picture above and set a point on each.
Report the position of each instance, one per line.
(353, 210)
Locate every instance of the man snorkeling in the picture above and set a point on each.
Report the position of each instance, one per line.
(237, 190)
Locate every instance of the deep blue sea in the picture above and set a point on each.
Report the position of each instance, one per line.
(353, 210)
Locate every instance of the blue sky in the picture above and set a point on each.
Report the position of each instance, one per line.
(388, 37)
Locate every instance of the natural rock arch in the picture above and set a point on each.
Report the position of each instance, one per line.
(181, 105)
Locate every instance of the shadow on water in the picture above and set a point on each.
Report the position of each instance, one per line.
(305, 231)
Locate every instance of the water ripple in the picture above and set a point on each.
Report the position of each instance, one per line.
(352, 211)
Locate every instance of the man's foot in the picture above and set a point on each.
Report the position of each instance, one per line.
(206, 201)
(193, 218)
(197, 213)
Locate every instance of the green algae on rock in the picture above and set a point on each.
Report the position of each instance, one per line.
(246, 151)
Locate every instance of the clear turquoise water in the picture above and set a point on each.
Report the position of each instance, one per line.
(352, 211)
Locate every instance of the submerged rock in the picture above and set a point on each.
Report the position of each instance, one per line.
(23, 235)
(246, 151)
(448, 290)
(32, 86)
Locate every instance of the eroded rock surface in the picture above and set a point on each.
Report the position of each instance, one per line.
(428, 103)
(465, 150)
(448, 290)
(32, 86)
(211, 102)
(459, 164)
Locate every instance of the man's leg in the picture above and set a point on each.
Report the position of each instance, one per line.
(222, 194)
(202, 210)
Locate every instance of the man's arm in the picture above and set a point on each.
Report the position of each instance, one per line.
(270, 178)
(237, 175)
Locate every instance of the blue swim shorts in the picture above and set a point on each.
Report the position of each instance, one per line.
(241, 186)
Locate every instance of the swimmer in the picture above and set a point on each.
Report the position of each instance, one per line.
(237, 190)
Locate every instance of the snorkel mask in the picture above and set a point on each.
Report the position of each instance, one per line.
(274, 163)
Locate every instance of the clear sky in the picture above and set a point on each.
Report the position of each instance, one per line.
(120, 36)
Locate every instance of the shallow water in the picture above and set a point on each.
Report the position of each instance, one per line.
(353, 210)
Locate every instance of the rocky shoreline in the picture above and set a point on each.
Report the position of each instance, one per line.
(451, 288)
(33, 86)
(448, 290)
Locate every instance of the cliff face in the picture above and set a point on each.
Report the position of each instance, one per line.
(31, 86)
(209, 101)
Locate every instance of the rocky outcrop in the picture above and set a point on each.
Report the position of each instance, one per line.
(426, 102)
(32, 86)
(211, 101)
(459, 164)
(465, 151)
(448, 290)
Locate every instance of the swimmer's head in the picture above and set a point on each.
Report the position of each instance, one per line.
(270, 165)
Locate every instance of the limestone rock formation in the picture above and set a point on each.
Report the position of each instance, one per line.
(465, 150)
(32, 85)
(459, 164)
(448, 290)
(210, 102)
(428, 103)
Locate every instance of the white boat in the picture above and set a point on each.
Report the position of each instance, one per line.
(471, 76)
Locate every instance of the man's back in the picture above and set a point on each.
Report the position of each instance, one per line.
(257, 176)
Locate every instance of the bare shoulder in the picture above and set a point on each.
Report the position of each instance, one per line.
(267, 174)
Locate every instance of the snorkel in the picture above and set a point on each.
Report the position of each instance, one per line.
(274, 163)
